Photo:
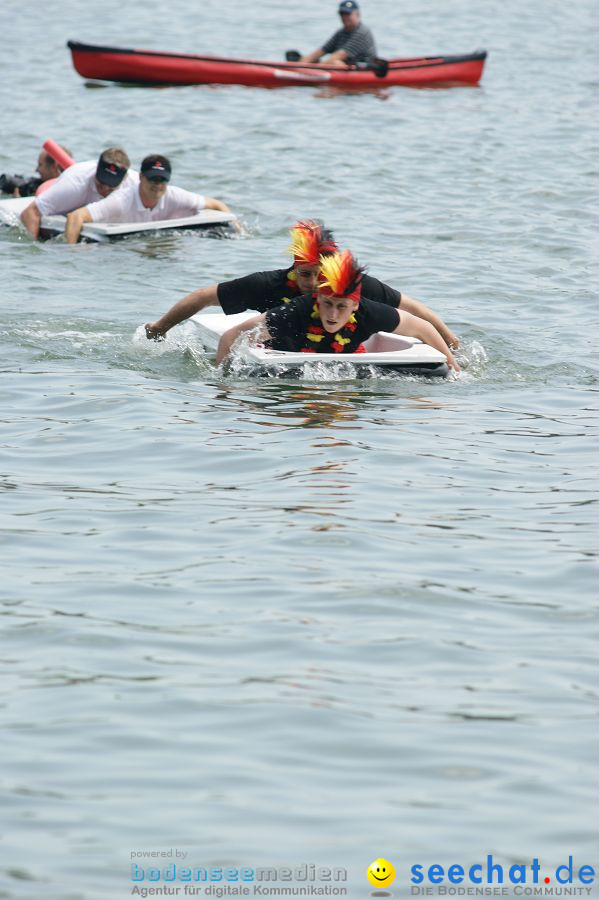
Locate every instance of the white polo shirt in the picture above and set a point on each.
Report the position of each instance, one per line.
(126, 206)
(76, 187)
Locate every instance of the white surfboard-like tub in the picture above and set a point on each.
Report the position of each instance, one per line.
(11, 209)
(391, 351)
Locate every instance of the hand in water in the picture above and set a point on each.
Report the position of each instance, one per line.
(153, 333)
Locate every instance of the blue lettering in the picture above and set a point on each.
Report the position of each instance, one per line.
(535, 870)
(230, 874)
(216, 874)
(568, 869)
(137, 873)
(154, 874)
(520, 870)
(435, 874)
(472, 878)
(247, 874)
(184, 874)
(169, 873)
(455, 874)
(586, 870)
(494, 868)
(417, 876)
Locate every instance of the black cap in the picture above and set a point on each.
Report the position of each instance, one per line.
(156, 169)
(348, 6)
(109, 173)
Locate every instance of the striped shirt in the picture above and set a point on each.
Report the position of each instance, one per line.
(358, 44)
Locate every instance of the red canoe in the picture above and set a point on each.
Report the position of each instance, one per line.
(152, 67)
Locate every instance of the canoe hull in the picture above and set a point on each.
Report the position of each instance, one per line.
(148, 67)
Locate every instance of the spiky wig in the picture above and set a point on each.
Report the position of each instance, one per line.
(340, 276)
(309, 241)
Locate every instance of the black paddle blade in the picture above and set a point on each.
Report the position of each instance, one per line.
(380, 67)
(293, 55)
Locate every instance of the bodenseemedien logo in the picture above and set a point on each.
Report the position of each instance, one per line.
(227, 881)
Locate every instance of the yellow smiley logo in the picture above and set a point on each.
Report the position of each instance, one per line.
(380, 873)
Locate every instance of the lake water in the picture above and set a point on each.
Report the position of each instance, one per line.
(271, 622)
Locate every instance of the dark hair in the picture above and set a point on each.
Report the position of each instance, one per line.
(50, 159)
(327, 242)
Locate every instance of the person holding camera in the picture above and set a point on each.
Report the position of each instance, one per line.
(20, 186)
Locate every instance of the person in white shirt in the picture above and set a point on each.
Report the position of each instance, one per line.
(152, 200)
(80, 184)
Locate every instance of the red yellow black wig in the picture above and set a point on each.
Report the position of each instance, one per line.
(326, 243)
(340, 276)
(309, 241)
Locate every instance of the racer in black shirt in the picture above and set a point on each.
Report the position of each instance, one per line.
(336, 319)
(264, 290)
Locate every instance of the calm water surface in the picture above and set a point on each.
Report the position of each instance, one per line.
(275, 622)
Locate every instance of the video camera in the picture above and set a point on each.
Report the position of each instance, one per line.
(27, 186)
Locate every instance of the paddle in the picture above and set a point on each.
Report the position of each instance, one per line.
(375, 64)
(379, 66)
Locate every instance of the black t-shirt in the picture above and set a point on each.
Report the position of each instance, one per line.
(373, 289)
(261, 291)
(266, 290)
(288, 325)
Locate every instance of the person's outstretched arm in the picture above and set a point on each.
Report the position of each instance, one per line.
(409, 304)
(229, 337)
(75, 222)
(211, 203)
(412, 326)
(339, 58)
(182, 310)
(31, 219)
(313, 57)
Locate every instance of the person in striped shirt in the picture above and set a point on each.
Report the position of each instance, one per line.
(349, 45)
